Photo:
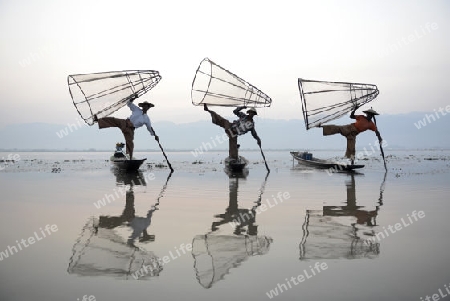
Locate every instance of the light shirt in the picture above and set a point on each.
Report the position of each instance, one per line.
(138, 118)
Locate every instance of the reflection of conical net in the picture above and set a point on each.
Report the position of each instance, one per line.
(327, 237)
(102, 252)
(215, 85)
(324, 101)
(215, 255)
(104, 93)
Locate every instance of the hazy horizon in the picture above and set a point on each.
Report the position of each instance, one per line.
(400, 46)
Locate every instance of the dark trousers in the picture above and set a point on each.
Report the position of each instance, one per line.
(125, 126)
(232, 137)
(349, 131)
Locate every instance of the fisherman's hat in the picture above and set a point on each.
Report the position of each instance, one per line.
(371, 111)
(252, 110)
(146, 103)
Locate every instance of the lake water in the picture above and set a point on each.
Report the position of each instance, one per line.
(73, 227)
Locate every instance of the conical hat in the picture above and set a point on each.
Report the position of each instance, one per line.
(252, 110)
(371, 111)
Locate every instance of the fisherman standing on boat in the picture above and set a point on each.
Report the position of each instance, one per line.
(137, 119)
(244, 124)
(350, 131)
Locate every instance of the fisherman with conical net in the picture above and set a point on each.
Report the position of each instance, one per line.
(137, 119)
(244, 124)
(350, 131)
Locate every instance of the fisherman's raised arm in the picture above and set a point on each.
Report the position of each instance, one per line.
(133, 107)
(238, 110)
(352, 115)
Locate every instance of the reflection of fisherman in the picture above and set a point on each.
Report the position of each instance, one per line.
(236, 216)
(236, 128)
(363, 217)
(137, 119)
(139, 226)
(350, 131)
(215, 253)
(110, 222)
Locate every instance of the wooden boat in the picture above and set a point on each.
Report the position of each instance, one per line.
(121, 161)
(307, 159)
(236, 165)
(129, 165)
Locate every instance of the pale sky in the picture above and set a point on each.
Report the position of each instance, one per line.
(401, 46)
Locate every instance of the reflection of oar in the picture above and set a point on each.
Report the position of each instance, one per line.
(264, 157)
(380, 199)
(261, 191)
(147, 220)
(380, 142)
(168, 163)
(161, 194)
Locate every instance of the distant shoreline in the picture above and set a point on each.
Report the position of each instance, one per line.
(218, 150)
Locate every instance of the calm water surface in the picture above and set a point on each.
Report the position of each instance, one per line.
(202, 234)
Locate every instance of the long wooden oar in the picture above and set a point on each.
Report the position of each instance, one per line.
(380, 142)
(264, 157)
(168, 163)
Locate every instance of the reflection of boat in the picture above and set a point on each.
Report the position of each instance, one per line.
(215, 253)
(129, 178)
(236, 165)
(122, 162)
(308, 159)
(340, 231)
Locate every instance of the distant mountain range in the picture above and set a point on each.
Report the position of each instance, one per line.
(410, 131)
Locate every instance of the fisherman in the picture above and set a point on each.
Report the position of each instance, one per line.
(244, 124)
(350, 131)
(137, 119)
